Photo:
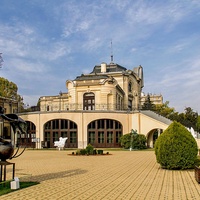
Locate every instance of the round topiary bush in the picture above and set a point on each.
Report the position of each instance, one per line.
(135, 141)
(176, 148)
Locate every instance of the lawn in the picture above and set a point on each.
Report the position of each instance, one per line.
(5, 187)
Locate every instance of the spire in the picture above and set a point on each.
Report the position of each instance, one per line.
(111, 52)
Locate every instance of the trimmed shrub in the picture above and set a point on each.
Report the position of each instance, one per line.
(176, 148)
(100, 151)
(125, 141)
(138, 141)
(89, 149)
(83, 151)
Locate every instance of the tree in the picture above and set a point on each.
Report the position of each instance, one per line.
(148, 105)
(198, 124)
(8, 89)
(165, 110)
(176, 148)
(190, 118)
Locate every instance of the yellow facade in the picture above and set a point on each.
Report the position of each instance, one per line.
(97, 108)
(9, 106)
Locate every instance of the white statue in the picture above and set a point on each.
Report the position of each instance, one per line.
(61, 143)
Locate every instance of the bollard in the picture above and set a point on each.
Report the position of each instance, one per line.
(14, 184)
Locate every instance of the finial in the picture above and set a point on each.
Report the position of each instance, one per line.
(111, 52)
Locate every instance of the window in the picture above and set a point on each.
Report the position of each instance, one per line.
(104, 133)
(89, 101)
(91, 137)
(130, 104)
(57, 128)
(130, 87)
(100, 137)
(110, 137)
(73, 137)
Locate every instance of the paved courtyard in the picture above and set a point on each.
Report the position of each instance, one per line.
(122, 175)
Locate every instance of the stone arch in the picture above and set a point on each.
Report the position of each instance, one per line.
(152, 136)
(104, 133)
(56, 128)
(29, 139)
(89, 101)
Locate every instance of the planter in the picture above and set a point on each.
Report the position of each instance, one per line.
(197, 173)
(100, 151)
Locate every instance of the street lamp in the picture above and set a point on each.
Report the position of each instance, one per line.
(60, 95)
(133, 133)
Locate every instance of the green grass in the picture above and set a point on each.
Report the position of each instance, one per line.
(5, 187)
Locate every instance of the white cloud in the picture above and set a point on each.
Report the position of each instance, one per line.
(72, 36)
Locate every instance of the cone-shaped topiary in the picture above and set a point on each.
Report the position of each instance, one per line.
(176, 148)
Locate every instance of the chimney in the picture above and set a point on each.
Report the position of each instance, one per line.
(103, 67)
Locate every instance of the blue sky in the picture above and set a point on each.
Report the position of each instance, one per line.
(46, 42)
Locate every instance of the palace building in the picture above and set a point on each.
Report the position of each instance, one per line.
(97, 108)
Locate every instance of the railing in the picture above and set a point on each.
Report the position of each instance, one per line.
(79, 107)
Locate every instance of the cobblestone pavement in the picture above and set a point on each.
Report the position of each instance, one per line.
(122, 175)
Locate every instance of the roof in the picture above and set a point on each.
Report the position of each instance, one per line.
(112, 67)
(90, 77)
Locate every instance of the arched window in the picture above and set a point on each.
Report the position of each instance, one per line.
(28, 139)
(89, 101)
(130, 87)
(104, 133)
(57, 128)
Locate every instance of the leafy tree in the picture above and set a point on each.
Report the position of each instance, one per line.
(148, 105)
(189, 118)
(8, 89)
(165, 110)
(198, 124)
(176, 148)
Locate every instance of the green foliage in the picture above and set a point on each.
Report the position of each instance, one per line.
(89, 149)
(136, 141)
(100, 151)
(189, 118)
(176, 148)
(8, 89)
(125, 141)
(5, 187)
(148, 105)
(198, 124)
(164, 110)
(83, 151)
(139, 142)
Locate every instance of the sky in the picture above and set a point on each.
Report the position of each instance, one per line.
(46, 42)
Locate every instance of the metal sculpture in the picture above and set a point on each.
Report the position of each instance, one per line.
(6, 147)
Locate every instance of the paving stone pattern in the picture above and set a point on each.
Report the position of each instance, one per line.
(122, 175)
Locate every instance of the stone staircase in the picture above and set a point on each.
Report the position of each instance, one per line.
(156, 116)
